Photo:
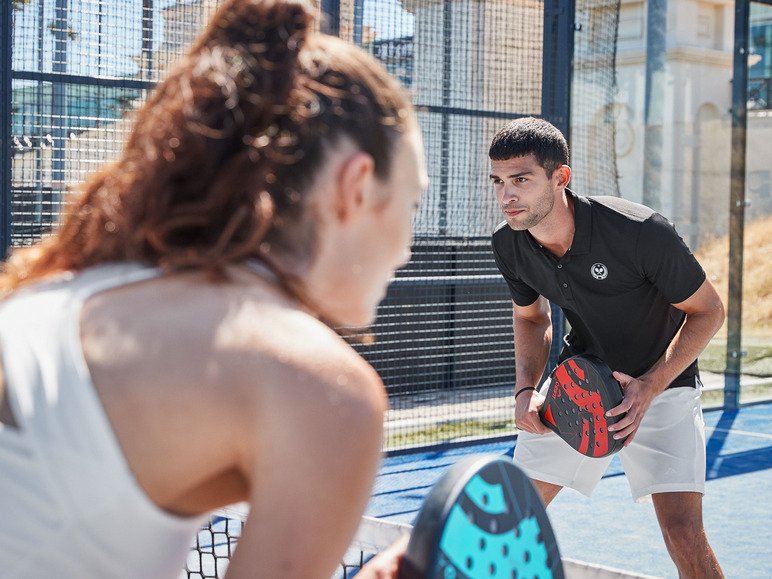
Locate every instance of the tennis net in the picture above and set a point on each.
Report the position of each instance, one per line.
(216, 541)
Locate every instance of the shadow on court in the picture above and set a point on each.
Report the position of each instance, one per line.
(609, 528)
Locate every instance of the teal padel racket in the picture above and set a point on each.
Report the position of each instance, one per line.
(483, 519)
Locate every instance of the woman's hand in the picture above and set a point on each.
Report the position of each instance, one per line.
(386, 564)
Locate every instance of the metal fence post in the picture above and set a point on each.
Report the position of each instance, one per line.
(59, 112)
(557, 69)
(6, 45)
(557, 63)
(737, 204)
(654, 105)
(331, 17)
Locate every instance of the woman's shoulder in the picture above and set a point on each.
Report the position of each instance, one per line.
(291, 344)
(239, 333)
(223, 377)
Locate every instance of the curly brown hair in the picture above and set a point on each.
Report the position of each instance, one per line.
(224, 152)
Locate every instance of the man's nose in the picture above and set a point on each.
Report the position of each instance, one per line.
(508, 193)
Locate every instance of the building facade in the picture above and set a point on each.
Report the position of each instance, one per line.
(697, 106)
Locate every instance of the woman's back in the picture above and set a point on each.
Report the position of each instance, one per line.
(209, 394)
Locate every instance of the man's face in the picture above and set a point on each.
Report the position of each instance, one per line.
(524, 192)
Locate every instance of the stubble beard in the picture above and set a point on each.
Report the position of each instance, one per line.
(532, 216)
(523, 224)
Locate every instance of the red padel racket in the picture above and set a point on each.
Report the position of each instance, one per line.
(483, 518)
(581, 390)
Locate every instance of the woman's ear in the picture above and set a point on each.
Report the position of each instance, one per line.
(354, 185)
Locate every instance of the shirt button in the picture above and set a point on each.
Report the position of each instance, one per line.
(565, 285)
(560, 266)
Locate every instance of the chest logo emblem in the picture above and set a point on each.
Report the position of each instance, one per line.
(599, 271)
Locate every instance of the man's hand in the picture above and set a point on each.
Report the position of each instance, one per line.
(532, 327)
(527, 407)
(638, 397)
(704, 316)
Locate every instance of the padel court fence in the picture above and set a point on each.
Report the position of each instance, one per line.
(73, 71)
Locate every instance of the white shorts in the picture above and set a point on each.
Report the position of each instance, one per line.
(666, 455)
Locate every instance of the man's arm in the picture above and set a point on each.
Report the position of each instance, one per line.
(533, 337)
(704, 316)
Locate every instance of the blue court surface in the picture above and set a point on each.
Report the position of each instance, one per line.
(609, 529)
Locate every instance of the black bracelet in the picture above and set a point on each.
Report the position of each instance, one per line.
(523, 390)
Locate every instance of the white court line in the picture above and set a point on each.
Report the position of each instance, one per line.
(743, 432)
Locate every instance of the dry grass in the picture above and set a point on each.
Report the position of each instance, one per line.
(757, 273)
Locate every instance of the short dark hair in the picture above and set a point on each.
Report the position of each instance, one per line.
(531, 136)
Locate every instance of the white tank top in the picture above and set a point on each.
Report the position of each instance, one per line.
(70, 507)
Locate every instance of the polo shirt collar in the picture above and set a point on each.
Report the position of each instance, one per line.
(582, 224)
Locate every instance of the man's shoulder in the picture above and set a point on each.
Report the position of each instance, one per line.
(620, 208)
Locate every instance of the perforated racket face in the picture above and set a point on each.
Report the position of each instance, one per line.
(492, 526)
(581, 390)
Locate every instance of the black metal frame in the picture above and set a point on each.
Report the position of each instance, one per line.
(557, 63)
(557, 70)
(6, 44)
(737, 202)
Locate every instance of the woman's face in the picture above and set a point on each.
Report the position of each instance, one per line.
(379, 242)
(391, 238)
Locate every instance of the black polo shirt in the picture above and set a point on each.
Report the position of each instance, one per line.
(626, 266)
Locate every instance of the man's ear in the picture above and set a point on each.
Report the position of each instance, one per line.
(563, 176)
(354, 185)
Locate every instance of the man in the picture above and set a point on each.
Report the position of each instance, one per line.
(634, 296)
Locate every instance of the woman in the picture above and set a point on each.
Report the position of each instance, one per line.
(168, 350)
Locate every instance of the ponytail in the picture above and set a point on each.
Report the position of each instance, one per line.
(224, 152)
